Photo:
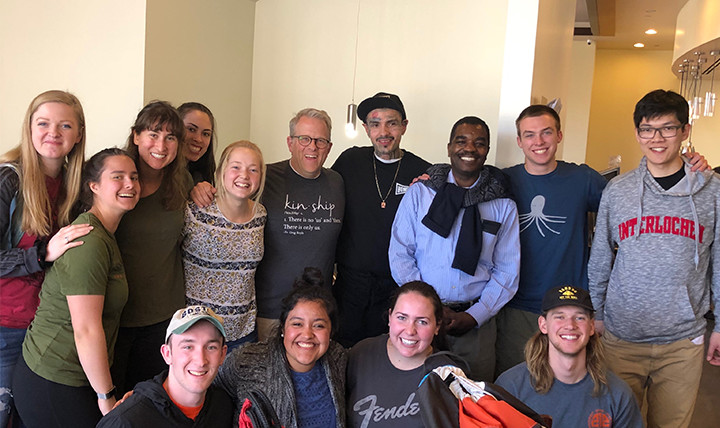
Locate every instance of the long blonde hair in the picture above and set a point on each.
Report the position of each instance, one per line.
(221, 192)
(538, 363)
(36, 208)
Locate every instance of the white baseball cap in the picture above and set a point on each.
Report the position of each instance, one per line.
(185, 318)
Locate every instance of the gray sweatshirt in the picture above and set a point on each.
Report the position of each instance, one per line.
(658, 287)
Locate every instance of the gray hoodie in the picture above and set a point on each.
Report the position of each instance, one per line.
(658, 287)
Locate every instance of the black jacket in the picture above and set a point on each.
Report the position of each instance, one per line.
(150, 406)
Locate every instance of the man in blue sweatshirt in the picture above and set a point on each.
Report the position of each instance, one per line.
(651, 297)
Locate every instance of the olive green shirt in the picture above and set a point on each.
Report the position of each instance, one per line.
(93, 268)
(149, 238)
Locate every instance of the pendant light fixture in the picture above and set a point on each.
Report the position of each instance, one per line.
(351, 123)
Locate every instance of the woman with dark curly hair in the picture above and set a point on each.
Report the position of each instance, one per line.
(299, 368)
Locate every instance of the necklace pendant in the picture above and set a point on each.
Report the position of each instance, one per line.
(382, 204)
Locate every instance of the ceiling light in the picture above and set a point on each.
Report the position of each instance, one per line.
(651, 31)
(639, 45)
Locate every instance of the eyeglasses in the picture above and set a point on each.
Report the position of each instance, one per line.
(305, 141)
(665, 132)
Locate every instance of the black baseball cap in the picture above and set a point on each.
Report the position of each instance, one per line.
(567, 295)
(380, 100)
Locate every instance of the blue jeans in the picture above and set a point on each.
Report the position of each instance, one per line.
(11, 340)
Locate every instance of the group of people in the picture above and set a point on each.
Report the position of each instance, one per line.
(81, 327)
(489, 264)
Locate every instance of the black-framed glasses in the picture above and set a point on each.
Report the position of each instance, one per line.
(665, 131)
(305, 141)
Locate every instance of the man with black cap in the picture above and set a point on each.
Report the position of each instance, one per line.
(376, 178)
(564, 375)
(458, 231)
(183, 395)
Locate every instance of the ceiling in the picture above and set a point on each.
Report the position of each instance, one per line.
(618, 24)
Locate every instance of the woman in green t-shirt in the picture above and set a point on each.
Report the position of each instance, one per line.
(64, 377)
(149, 239)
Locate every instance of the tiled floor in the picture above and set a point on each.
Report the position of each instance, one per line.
(707, 406)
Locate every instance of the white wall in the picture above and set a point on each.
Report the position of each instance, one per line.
(203, 52)
(94, 49)
(444, 60)
(697, 23)
(517, 77)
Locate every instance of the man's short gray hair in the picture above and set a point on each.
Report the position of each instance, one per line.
(312, 113)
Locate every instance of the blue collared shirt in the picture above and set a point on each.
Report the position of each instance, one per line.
(417, 253)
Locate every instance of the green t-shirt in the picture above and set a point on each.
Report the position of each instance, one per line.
(149, 238)
(94, 268)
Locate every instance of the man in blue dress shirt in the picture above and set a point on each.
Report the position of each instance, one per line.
(458, 231)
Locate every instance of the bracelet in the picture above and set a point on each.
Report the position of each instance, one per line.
(108, 395)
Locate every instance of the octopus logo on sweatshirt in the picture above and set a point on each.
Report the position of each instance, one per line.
(667, 225)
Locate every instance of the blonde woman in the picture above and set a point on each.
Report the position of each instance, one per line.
(39, 184)
(224, 243)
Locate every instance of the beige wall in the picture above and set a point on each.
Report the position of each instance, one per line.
(553, 54)
(553, 50)
(545, 48)
(94, 49)
(202, 51)
(444, 60)
(577, 102)
(621, 78)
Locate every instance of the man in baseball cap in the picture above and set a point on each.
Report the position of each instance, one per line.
(185, 318)
(564, 372)
(376, 178)
(183, 395)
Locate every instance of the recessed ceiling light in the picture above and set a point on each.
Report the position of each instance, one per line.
(639, 45)
(651, 31)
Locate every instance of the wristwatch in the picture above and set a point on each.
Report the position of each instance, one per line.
(108, 395)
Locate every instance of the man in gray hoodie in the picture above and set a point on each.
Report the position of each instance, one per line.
(651, 298)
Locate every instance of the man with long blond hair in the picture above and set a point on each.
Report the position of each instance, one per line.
(564, 373)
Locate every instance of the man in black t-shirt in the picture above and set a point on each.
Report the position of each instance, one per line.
(376, 179)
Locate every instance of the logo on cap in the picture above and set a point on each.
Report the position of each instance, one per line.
(568, 293)
(195, 310)
(185, 318)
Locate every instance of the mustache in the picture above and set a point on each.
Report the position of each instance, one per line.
(461, 154)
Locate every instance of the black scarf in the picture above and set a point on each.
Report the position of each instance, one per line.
(447, 203)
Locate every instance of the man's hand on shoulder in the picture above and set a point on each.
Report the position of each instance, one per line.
(124, 397)
(422, 177)
(698, 162)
